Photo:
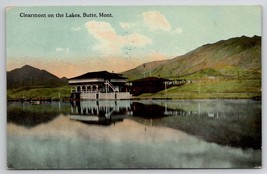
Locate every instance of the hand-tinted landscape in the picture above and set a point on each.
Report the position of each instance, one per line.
(142, 87)
(225, 69)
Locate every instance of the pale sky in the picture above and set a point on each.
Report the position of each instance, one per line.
(134, 35)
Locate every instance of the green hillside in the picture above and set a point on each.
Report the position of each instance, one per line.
(225, 58)
(225, 69)
(39, 92)
(227, 89)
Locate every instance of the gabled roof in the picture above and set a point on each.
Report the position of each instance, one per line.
(99, 74)
(150, 79)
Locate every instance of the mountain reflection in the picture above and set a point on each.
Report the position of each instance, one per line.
(233, 123)
(27, 115)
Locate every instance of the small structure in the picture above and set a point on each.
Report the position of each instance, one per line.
(149, 85)
(99, 85)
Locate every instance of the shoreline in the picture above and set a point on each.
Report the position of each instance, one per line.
(68, 99)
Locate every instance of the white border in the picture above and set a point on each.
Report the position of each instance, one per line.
(5, 3)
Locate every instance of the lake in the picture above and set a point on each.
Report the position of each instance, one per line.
(134, 134)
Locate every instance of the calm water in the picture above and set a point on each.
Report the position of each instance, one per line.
(134, 134)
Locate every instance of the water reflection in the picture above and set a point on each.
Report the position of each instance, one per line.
(67, 144)
(103, 112)
(232, 123)
(106, 112)
(28, 115)
(147, 133)
(153, 110)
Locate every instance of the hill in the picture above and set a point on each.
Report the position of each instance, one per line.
(28, 76)
(226, 58)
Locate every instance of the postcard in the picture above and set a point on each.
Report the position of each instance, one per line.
(134, 87)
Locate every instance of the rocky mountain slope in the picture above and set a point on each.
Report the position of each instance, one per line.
(223, 58)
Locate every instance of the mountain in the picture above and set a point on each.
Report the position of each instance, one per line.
(30, 76)
(223, 58)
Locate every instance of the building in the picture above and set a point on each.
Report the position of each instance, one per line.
(149, 85)
(99, 85)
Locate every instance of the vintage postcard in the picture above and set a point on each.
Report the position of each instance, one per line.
(133, 87)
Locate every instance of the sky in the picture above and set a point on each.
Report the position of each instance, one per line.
(71, 46)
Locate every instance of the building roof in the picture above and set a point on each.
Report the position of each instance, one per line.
(99, 74)
(150, 79)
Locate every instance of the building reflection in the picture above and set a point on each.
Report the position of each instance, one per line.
(104, 112)
(153, 110)
(107, 112)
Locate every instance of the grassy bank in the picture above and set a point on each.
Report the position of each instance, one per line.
(229, 89)
(232, 89)
(39, 92)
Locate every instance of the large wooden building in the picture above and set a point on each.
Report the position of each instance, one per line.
(99, 85)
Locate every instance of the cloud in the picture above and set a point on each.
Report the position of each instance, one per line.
(178, 31)
(76, 28)
(66, 50)
(136, 39)
(125, 25)
(155, 56)
(110, 42)
(59, 49)
(180, 51)
(156, 21)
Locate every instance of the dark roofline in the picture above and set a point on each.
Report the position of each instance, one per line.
(146, 79)
(99, 74)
